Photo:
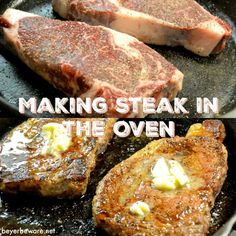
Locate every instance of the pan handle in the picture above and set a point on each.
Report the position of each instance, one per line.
(226, 229)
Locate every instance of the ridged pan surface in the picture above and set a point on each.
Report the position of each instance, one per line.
(74, 217)
(210, 77)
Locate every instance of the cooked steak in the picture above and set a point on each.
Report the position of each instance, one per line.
(31, 161)
(128, 187)
(170, 22)
(90, 61)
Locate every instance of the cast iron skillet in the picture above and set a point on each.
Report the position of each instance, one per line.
(74, 217)
(204, 77)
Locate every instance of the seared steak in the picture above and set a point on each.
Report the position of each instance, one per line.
(26, 166)
(183, 211)
(90, 61)
(169, 22)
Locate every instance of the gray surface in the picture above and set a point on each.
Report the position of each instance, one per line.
(227, 228)
(231, 114)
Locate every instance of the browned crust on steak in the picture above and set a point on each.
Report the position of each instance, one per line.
(209, 128)
(24, 169)
(179, 212)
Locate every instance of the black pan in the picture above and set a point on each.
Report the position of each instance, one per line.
(204, 77)
(74, 217)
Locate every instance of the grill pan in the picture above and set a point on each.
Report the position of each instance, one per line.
(204, 77)
(74, 217)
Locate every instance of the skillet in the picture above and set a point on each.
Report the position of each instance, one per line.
(74, 217)
(207, 77)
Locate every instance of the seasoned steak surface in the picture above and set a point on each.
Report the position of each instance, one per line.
(183, 211)
(24, 168)
(170, 22)
(187, 13)
(90, 61)
(93, 53)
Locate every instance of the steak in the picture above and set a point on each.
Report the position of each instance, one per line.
(26, 167)
(90, 61)
(184, 211)
(170, 22)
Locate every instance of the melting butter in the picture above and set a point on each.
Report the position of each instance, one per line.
(57, 140)
(178, 172)
(165, 183)
(169, 175)
(140, 208)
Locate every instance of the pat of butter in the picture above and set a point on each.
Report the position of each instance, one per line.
(177, 170)
(168, 175)
(161, 168)
(140, 208)
(165, 183)
(57, 139)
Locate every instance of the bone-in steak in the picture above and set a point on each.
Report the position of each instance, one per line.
(169, 22)
(90, 61)
(184, 211)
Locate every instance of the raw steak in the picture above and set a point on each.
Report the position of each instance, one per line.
(184, 211)
(90, 61)
(169, 22)
(23, 167)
